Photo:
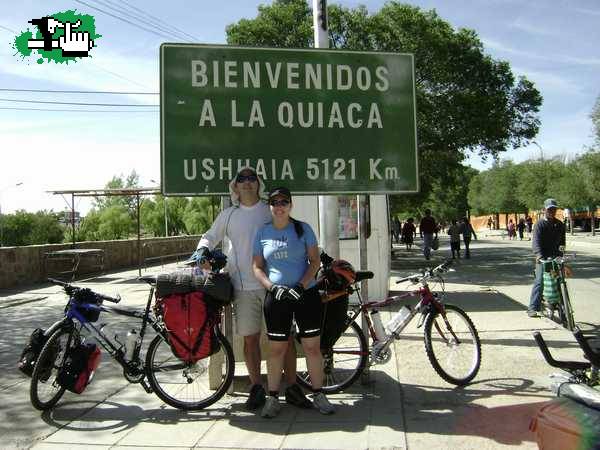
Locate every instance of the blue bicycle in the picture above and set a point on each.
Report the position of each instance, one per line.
(181, 384)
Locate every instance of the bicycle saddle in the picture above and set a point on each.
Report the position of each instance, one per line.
(364, 275)
(150, 279)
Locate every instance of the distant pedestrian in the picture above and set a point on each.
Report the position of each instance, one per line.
(396, 228)
(548, 241)
(510, 228)
(490, 222)
(521, 228)
(409, 231)
(427, 229)
(467, 232)
(454, 231)
(529, 224)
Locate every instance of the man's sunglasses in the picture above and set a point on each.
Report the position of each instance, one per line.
(279, 202)
(242, 178)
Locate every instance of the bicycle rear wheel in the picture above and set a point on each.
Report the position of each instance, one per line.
(452, 345)
(342, 364)
(44, 390)
(189, 386)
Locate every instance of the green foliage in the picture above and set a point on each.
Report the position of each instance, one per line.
(199, 214)
(24, 228)
(466, 101)
(539, 181)
(447, 201)
(112, 222)
(120, 182)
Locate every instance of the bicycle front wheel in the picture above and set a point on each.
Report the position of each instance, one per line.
(44, 390)
(452, 345)
(185, 385)
(566, 311)
(342, 364)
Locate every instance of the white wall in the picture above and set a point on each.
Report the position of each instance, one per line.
(378, 245)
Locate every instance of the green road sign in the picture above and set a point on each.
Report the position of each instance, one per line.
(317, 121)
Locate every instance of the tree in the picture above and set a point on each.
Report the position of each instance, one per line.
(199, 214)
(466, 101)
(120, 182)
(495, 190)
(25, 228)
(539, 181)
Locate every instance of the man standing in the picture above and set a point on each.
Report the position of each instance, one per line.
(548, 241)
(239, 224)
(467, 232)
(427, 228)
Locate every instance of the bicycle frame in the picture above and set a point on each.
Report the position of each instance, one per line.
(558, 264)
(133, 368)
(427, 300)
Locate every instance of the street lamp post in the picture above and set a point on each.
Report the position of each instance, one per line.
(165, 204)
(1, 220)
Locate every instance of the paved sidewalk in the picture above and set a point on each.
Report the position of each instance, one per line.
(405, 405)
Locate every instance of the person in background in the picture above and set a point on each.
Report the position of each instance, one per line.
(548, 242)
(454, 231)
(490, 222)
(285, 261)
(521, 228)
(396, 228)
(239, 224)
(409, 231)
(510, 228)
(427, 229)
(467, 232)
(529, 224)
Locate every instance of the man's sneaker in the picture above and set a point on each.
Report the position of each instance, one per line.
(271, 408)
(295, 396)
(256, 398)
(532, 313)
(322, 404)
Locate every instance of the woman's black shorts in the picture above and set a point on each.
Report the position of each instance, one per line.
(307, 311)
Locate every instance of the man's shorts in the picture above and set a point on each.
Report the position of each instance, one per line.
(307, 312)
(248, 311)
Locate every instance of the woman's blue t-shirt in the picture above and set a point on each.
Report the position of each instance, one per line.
(285, 254)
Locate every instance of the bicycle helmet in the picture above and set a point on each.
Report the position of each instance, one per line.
(340, 275)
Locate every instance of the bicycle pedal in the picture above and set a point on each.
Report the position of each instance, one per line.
(146, 387)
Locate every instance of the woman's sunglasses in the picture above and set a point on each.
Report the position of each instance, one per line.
(279, 202)
(242, 178)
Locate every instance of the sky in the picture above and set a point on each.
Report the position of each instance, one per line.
(554, 43)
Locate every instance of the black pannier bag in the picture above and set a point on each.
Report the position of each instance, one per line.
(32, 351)
(217, 287)
(80, 365)
(335, 315)
(333, 282)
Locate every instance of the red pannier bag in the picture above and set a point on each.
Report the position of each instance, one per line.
(190, 324)
(79, 368)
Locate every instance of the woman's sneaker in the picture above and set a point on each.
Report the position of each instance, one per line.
(271, 408)
(321, 402)
(256, 398)
(295, 396)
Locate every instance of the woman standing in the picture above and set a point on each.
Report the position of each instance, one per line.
(285, 262)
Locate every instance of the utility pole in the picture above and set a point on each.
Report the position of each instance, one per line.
(328, 204)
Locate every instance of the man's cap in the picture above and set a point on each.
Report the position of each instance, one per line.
(550, 203)
(282, 192)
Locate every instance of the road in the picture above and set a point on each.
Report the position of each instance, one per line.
(405, 406)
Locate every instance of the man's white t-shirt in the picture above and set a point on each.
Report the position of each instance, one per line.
(239, 224)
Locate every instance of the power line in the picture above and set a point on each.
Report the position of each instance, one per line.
(135, 16)
(125, 20)
(8, 29)
(157, 19)
(76, 103)
(76, 110)
(78, 92)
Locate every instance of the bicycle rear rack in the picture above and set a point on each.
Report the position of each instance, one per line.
(566, 365)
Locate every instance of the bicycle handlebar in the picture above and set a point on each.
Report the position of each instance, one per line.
(427, 273)
(70, 289)
(557, 259)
